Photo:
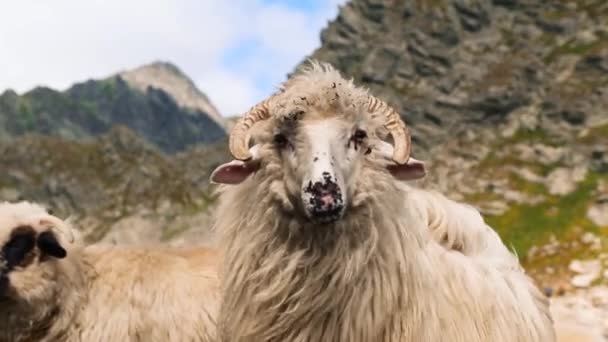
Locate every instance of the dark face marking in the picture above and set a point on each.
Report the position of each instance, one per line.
(17, 251)
(48, 244)
(20, 244)
(280, 141)
(14, 253)
(357, 139)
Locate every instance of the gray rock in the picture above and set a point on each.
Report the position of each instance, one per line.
(574, 117)
(9, 194)
(379, 66)
(588, 271)
(563, 181)
(598, 213)
(472, 14)
(599, 159)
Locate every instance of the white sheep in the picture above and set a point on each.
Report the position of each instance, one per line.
(55, 289)
(322, 242)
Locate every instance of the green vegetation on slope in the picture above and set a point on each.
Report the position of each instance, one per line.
(524, 226)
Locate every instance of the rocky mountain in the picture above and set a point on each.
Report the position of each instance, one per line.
(156, 101)
(117, 187)
(127, 157)
(173, 81)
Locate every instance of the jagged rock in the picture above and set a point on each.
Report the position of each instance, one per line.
(168, 77)
(583, 280)
(9, 194)
(589, 238)
(598, 213)
(527, 175)
(585, 266)
(494, 208)
(498, 105)
(573, 117)
(540, 153)
(379, 66)
(599, 159)
(473, 16)
(588, 271)
(576, 319)
(562, 181)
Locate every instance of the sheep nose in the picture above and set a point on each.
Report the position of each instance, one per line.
(326, 200)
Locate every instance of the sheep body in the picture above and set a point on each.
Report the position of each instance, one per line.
(108, 293)
(395, 284)
(401, 264)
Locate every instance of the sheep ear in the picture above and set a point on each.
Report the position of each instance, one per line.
(234, 172)
(413, 169)
(48, 244)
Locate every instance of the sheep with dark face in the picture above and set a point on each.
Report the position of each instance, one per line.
(53, 288)
(323, 242)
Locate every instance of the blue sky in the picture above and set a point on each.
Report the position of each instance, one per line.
(236, 51)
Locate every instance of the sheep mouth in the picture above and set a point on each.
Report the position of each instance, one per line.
(326, 216)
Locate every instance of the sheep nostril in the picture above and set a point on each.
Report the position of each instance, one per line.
(327, 201)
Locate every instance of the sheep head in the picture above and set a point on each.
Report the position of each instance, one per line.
(28, 247)
(320, 130)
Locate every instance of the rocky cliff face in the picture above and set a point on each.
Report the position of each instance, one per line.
(156, 101)
(507, 101)
(117, 187)
(449, 65)
(127, 157)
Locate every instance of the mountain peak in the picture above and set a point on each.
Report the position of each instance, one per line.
(168, 77)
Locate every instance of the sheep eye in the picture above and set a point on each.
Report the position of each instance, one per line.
(360, 134)
(357, 139)
(280, 140)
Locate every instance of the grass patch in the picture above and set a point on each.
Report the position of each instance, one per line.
(573, 48)
(523, 226)
(27, 118)
(531, 136)
(172, 231)
(430, 4)
(495, 161)
(595, 135)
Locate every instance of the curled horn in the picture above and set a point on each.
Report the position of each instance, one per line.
(239, 137)
(396, 127)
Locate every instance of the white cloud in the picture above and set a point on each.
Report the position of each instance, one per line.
(59, 42)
